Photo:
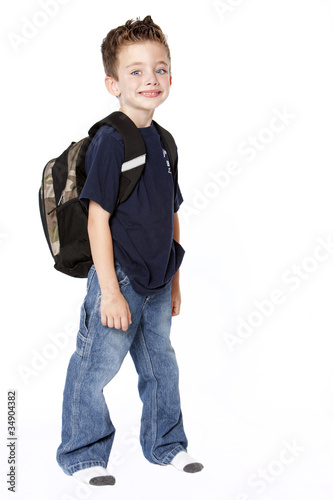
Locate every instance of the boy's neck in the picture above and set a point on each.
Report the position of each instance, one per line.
(141, 118)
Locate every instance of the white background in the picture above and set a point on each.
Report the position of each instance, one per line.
(248, 396)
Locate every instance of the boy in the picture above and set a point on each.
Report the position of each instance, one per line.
(133, 286)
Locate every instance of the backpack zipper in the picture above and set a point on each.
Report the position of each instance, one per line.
(59, 203)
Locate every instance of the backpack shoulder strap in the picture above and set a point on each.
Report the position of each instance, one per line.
(169, 144)
(133, 141)
(134, 150)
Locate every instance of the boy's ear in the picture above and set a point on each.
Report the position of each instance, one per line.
(170, 79)
(112, 86)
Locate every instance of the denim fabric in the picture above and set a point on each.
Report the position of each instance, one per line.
(87, 430)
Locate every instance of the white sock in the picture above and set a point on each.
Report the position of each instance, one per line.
(97, 476)
(182, 461)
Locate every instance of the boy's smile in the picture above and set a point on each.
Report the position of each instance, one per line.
(150, 94)
(143, 80)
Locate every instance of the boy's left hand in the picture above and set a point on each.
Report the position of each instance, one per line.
(175, 299)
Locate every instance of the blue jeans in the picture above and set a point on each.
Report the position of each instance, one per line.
(87, 430)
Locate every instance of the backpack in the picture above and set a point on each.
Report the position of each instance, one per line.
(64, 217)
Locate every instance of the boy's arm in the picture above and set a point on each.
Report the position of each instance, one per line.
(114, 308)
(175, 288)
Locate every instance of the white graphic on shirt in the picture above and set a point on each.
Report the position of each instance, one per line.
(167, 161)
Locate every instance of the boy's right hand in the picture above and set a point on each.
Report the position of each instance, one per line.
(115, 312)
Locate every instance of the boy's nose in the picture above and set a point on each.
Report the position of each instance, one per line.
(151, 80)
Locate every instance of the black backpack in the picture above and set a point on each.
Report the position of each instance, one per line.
(64, 217)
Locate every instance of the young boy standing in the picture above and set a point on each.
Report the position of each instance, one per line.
(133, 287)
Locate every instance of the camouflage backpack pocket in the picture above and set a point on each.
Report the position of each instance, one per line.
(64, 218)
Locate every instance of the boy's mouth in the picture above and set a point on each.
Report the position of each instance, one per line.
(156, 93)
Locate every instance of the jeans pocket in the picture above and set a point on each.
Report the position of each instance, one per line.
(90, 276)
(122, 277)
(82, 334)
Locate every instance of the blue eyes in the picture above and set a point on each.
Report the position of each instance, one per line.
(159, 72)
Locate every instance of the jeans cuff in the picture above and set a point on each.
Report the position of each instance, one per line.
(171, 455)
(86, 465)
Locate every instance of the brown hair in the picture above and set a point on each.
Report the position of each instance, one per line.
(131, 32)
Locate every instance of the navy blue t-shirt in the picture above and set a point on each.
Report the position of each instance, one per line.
(142, 226)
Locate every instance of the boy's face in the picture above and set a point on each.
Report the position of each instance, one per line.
(143, 78)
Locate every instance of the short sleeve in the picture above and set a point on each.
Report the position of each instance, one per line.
(178, 198)
(103, 162)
